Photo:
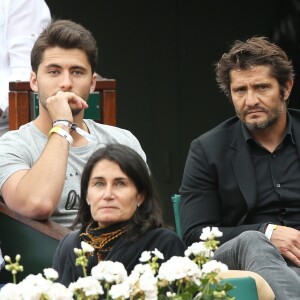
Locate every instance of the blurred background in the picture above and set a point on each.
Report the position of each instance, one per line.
(162, 55)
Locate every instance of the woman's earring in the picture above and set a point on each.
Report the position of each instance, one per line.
(87, 201)
(138, 204)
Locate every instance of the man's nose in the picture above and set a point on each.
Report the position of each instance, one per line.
(251, 98)
(66, 83)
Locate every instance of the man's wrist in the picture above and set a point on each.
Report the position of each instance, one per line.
(62, 133)
(269, 230)
(64, 124)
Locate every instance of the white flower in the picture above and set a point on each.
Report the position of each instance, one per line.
(158, 254)
(148, 284)
(50, 274)
(34, 286)
(58, 291)
(170, 294)
(36, 280)
(198, 249)
(214, 266)
(121, 290)
(142, 280)
(145, 256)
(89, 285)
(216, 232)
(109, 271)
(7, 258)
(32, 292)
(209, 234)
(77, 251)
(11, 291)
(137, 272)
(87, 247)
(179, 268)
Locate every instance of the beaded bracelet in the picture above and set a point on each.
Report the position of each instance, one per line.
(66, 123)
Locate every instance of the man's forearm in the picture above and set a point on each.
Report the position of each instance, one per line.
(37, 192)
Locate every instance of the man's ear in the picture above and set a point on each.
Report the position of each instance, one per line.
(33, 82)
(288, 88)
(93, 83)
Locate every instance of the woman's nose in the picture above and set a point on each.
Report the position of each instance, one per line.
(108, 192)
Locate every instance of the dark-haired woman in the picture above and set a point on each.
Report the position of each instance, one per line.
(119, 213)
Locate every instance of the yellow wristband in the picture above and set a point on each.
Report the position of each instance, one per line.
(62, 133)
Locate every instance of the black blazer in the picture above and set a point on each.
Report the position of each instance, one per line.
(219, 186)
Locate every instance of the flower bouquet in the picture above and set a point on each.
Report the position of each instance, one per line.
(194, 276)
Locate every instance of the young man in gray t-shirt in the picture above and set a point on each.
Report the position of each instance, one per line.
(41, 163)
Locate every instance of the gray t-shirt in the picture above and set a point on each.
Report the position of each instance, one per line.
(20, 149)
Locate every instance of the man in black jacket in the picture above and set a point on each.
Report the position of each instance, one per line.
(244, 175)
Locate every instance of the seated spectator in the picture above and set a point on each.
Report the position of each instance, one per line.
(119, 213)
(21, 22)
(243, 176)
(41, 163)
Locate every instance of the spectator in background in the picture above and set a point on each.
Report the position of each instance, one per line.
(21, 22)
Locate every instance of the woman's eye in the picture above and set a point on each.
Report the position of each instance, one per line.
(99, 184)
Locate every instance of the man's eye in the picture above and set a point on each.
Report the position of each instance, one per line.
(78, 73)
(239, 91)
(53, 72)
(263, 87)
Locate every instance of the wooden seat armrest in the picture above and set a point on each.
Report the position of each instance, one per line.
(47, 227)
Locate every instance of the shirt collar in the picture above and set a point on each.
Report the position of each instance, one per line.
(288, 132)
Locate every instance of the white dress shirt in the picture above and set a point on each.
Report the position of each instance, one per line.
(21, 21)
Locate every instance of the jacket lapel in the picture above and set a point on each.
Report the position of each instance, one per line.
(243, 168)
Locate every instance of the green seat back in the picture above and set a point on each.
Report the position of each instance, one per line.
(92, 112)
(36, 248)
(176, 208)
(245, 288)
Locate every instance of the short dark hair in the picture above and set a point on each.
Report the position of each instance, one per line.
(68, 35)
(149, 214)
(255, 51)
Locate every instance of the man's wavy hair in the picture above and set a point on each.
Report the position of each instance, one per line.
(67, 35)
(256, 51)
(149, 214)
